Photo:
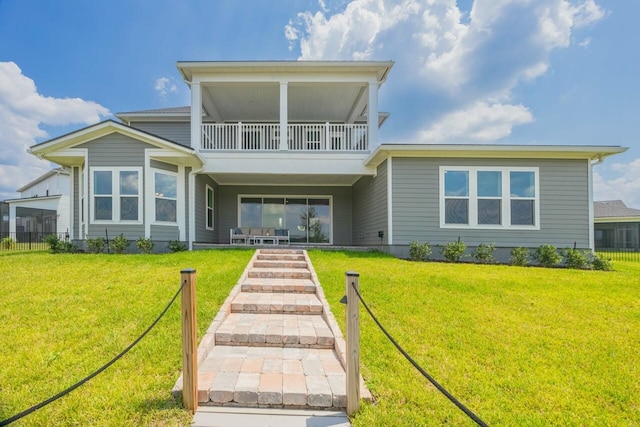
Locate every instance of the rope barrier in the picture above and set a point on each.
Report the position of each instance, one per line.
(68, 390)
(448, 395)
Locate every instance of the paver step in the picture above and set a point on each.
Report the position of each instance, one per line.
(275, 330)
(278, 257)
(272, 377)
(279, 264)
(279, 273)
(292, 303)
(279, 285)
(281, 251)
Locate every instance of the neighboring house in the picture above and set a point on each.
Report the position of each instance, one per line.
(42, 208)
(616, 226)
(294, 145)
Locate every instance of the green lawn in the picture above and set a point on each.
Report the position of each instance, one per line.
(519, 346)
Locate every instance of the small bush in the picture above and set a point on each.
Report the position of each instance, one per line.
(453, 251)
(575, 258)
(419, 251)
(176, 246)
(8, 243)
(145, 245)
(119, 244)
(600, 263)
(547, 256)
(519, 257)
(57, 246)
(95, 246)
(483, 253)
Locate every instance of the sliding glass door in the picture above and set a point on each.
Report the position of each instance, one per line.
(307, 219)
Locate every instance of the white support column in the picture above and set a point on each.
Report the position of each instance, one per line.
(196, 115)
(284, 115)
(372, 116)
(592, 240)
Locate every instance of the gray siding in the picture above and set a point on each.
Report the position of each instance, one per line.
(370, 208)
(75, 209)
(163, 166)
(179, 132)
(227, 210)
(115, 150)
(564, 204)
(164, 233)
(202, 234)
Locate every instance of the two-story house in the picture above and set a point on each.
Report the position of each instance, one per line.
(293, 145)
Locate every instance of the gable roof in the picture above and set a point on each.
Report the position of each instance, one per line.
(614, 209)
(56, 171)
(60, 148)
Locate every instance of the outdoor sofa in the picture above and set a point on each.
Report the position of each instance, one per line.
(258, 235)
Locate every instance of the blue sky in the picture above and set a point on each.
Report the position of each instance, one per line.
(483, 71)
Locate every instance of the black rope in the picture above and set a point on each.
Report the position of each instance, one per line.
(449, 396)
(44, 403)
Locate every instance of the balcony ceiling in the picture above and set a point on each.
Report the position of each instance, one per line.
(307, 102)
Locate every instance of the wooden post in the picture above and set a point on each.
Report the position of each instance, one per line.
(353, 343)
(189, 341)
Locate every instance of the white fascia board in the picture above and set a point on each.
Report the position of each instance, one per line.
(276, 163)
(284, 77)
(492, 151)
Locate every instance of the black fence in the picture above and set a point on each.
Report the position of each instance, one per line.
(26, 240)
(625, 255)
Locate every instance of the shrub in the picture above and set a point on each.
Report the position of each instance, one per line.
(483, 253)
(453, 251)
(96, 245)
(176, 246)
(600, 263)
(145, 245)
(547, 255)
(575, 258)
(57, 246)
(419, 251)
(119, 244)
(519, 256)
(8, 243)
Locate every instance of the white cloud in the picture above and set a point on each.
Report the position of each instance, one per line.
(473, 62)
(164, 86)
(618, 181)
(22, 111)
(479, 123)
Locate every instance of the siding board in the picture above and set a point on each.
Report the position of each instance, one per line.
(179, 132)
(370, 208)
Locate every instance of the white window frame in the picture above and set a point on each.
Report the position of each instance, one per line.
(207, 208)
(115, 194)
(154, 171)
(505, 199)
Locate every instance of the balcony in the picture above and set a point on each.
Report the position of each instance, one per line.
(252, 137)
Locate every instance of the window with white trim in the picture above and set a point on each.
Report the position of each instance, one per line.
(209, 207)
(489, 197)
(165, 186)
(115, 194)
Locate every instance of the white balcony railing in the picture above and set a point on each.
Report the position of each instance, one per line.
(300, 137)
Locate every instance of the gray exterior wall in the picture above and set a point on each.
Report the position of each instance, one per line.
(179, 132)
(202, 234)
(564, 204)
(370, 208)
(75, 197)
(227, 210)
(164, 233)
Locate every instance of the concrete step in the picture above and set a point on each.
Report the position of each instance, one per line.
(279, 285)
(272, 377)
(218, 416)
(279, 257)
(275, 330)
(279, 273)
(292, 303)
(264, 251)
(279, 264)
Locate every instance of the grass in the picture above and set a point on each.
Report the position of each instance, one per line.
(518, 346)
(63, 316)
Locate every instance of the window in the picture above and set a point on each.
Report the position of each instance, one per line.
(489, 197)
(115, 194)
(209, 207)
(166, 195)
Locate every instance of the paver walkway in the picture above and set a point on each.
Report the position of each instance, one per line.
(275, 342)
